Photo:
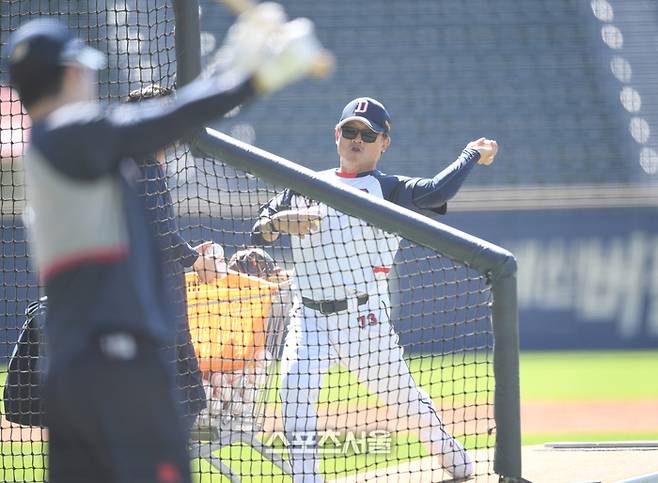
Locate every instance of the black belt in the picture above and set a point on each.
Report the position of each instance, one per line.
(327, 307)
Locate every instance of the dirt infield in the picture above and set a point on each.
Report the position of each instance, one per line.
(589, 417)
(536, 417)
(20, 434)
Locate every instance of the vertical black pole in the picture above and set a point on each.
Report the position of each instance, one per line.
(188, 41)
(507, 461)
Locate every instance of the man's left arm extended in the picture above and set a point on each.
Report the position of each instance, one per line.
(434, 193)
(431, 194)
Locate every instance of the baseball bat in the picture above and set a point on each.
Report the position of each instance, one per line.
(322, 67)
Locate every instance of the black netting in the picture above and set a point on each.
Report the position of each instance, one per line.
(566, 86)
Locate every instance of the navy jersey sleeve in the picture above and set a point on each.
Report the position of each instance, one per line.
(159, 208)
(430, 193)
(86, 143)
(185, 254)
(281, 202)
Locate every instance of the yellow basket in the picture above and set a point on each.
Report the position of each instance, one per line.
(228, 319)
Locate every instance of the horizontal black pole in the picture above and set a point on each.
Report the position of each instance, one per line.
(486, 258)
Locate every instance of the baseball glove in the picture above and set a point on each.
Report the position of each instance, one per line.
(255, 262)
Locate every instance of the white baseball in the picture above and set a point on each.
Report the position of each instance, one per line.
(215, 250)
(216, 253)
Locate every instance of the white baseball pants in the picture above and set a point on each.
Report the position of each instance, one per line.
(362, 340)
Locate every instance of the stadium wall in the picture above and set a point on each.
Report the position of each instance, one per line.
(588, 278)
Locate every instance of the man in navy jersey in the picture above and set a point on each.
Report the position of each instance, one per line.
(342, 309)
(111, 402)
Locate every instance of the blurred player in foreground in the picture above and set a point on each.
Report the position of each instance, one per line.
(341, 264)
(110, 392)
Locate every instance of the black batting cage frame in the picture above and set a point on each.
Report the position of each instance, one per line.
(493, 262)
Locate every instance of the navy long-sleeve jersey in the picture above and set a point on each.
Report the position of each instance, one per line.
(429, 196)
(95, 248)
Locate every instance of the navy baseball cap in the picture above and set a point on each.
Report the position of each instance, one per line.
(369, 111)
(37, 47)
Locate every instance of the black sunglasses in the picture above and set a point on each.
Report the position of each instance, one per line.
(368, 135)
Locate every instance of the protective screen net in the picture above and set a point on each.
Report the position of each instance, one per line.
(571, 76)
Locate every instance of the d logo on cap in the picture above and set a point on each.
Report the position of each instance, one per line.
(369, 111)
(362, 106)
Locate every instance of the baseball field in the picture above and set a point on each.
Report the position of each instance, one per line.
(565, 396)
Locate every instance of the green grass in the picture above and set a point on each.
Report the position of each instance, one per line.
(22, 461)
(589, 376)
(245, 461)
(596, 376)
(456, 380)
(545, 376)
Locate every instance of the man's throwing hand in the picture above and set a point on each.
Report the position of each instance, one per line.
(488, 148)
(210, 265)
